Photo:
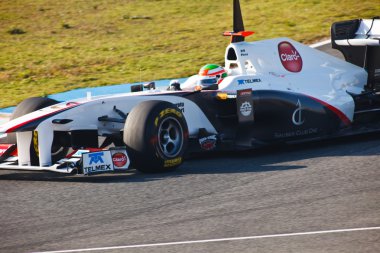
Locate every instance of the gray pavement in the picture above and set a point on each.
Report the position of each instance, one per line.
(328, 49)
(324, 186)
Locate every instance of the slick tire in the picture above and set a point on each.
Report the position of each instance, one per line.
(27, 106)
(156, 136)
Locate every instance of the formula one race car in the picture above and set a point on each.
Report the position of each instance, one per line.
(270, 91)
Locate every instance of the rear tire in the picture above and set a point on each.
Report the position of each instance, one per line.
(156, 136)
(27, 106)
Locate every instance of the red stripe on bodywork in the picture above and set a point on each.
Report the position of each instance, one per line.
(4, 148)
(8, 150)
(335, 110)
(69, 106)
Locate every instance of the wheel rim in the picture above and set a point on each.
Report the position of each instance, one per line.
(170, 137)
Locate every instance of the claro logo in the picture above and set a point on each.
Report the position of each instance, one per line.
(289, 57)
(119, 159)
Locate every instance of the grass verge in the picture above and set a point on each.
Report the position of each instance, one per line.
(53, 46)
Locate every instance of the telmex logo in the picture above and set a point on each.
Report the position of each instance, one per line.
(96, 157)
(289, 57)
(248, 81)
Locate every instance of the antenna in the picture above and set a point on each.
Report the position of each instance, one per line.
(238, 34)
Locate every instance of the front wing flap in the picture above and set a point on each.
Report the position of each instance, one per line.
(86, 161)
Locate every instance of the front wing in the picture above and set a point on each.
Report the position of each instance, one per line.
(83, 161)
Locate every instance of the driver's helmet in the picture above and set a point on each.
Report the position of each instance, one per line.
(213, 71)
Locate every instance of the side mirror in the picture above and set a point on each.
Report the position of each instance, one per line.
(174, 86)
(137, 88)
(141, 87)
(150, 86)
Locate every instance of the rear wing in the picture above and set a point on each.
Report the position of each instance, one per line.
(359, 42)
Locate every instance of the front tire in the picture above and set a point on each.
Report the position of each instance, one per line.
(156, 136)
(27, 106)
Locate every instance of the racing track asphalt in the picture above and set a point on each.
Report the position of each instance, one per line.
(322, 186)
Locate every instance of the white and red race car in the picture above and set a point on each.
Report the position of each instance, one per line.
(276, 91)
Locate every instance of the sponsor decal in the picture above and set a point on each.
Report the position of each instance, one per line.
(208, 143)
(165, 112)
(377, 72)
(277, 75)
(35, 142)
(246, 109)
(302, 132)
(181, 106)
(289, 57)
(173, 162)
(249, 81)
(243, 52)
(97, 168)
(97, 162)
(297, 115)
(245, 93)
(170, 110)
(119, 159)
(244, 104)
(96, 157)
(68, 104)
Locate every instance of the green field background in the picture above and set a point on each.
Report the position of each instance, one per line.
(50, 46)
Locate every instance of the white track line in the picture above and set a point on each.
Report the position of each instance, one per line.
(215, 240)
(319, 44)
